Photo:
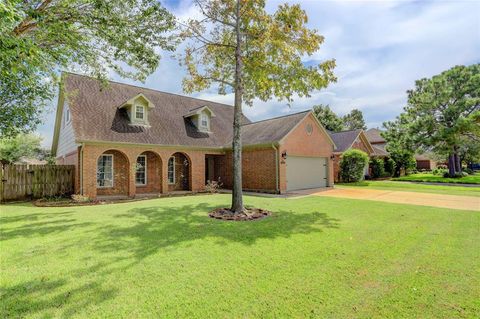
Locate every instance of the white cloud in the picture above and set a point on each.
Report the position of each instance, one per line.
(381, 48)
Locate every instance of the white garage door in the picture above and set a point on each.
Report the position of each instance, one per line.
(306, 172)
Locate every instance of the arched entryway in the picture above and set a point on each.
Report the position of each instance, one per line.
(112, 174)
(179, 172)
(148, 173)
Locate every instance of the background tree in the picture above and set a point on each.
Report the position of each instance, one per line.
(400, 145)
(443, 112)
(22, 145)
(354, 120)
(241, 48)
(40, 37)
(329, 119)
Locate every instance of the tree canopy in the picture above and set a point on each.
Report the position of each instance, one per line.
(332, 122)
(238, 47)
(22, 145)
(38, 38)
(354, 120)
(442, 114)
(329, 119)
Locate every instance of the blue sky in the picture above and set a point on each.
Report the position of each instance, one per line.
(381, 48)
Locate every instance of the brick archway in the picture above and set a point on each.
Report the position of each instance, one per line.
(112, 173)
(182, 180)
(153, 173)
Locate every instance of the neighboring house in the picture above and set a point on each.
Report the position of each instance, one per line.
(377, 141)
(424, 161)
(30, 161)
(128, 140)
(354, 139)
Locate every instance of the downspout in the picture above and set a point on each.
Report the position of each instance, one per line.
(80, 168)
(276, 169)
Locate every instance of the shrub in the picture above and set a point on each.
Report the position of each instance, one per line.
(77, 198)
(439, 171)
(213, 186)
(378, 169)
(390, 166)
(352, 165)
(469, 171)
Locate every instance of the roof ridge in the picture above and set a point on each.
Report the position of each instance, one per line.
(357, 129)
(150, 89)
(275, 118)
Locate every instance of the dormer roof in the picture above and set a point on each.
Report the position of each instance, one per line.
(132, 101)
(198, 111)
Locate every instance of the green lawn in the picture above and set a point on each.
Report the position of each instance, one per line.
(413, 187)
(429, 177)
(315, 257)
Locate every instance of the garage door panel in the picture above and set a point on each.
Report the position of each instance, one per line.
(306, 172)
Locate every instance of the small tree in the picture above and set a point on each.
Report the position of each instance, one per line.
(240, 48)
(352, 165)
(328, 118)
(377, 166)
(22, 145)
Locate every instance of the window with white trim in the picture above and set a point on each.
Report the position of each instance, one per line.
(67, 116)
(105, 170)
(171, 170)
(141, 170)
(139, 112)
(204, 122)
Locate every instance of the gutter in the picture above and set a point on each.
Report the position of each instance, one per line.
(80, 168)
(276, 169)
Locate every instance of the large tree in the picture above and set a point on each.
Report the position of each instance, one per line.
(354, 120)
(241, 48)
(443, 112)
(40, 37)
(329, 119)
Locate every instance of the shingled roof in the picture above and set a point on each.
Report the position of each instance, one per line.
(96, 115)
(270, 130)
(373, 135)
(344, 140)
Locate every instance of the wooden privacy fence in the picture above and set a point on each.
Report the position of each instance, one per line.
(35, 181)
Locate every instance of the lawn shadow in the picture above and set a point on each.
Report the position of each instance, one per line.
(49, 297)
(154, 228)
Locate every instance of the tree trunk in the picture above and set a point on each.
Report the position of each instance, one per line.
(237, 196)
(458, 163)
(451, 165)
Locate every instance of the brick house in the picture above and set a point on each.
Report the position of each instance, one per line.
(345, 140)
(423, 161)
(128, 140)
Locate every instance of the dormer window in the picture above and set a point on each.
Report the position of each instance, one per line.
(139, 112)
(138, 108)
(201, 117)
(204, 121)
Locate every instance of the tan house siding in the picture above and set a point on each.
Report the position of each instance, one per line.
(299, 143)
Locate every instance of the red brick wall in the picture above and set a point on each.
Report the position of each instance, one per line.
(258, 169)
(93, 151)
(154, 175)
(120, 176)
(299, 143)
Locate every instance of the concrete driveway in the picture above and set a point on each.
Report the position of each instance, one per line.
(401, 197)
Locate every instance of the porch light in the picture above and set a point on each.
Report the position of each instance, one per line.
(332, 157)
(284, 155)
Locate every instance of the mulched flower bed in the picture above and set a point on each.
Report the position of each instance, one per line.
(248, 214)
